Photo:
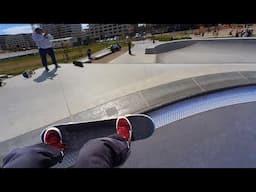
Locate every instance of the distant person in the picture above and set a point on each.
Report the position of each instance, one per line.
(42, 39)
(217, 33)
(118, 45)
(115, 47)
(89, 53)
(242, 33)
(237, 33)
(250, 32)
(129, 46)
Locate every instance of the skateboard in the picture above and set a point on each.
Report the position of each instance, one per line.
(2, 78)
(2, 83)
(28, 74)
(80, 63)
(75, 135)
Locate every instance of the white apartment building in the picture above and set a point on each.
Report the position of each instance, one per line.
(102, 31)
(59, 31)
(18, 42)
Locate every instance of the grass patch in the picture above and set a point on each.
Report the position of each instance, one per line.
(17, 66)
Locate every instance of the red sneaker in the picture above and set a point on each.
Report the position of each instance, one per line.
(124, 128)
(52, 136)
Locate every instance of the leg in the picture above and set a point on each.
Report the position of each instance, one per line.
(50, 51)
(43, 53)
(130, 51)
(106, 152)
(35, 156)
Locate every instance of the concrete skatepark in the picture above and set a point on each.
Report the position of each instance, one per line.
(104, 91)
(206, 51)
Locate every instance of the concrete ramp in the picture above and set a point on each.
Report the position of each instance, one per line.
(220, 138)
(206, 51)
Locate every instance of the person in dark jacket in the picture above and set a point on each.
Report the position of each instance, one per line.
(43, 41)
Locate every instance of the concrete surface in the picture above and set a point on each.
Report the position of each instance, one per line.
(139, 55)
(211, 82)
(137, 102)
(249, 75)
(208, 51)
(29, 104)
(193, 51)
(220, 138)
(96, 91)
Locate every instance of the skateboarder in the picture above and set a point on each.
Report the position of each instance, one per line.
(44, 44)
(106, 152)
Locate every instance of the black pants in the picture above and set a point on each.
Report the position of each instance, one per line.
(129, 48)
(106, 152)
(89, 56)
(43, 53)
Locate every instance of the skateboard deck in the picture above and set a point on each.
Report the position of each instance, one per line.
(75, 135)
(80, 63)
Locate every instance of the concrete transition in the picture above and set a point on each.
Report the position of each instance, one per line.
(220, 138)
(205, 51)
(145, 100)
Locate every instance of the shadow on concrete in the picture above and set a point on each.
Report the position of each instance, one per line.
(46, 75)
(132, 54)
(169, 47)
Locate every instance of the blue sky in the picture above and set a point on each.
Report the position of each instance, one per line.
(18, 28)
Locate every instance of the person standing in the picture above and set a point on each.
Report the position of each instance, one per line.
(43, 41)
(89, 54)
(129, 46)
